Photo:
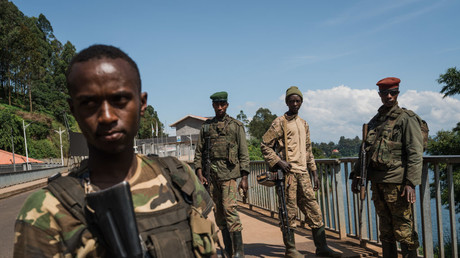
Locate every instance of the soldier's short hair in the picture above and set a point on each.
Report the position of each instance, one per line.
(99, 51)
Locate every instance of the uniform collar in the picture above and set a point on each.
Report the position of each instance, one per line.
(290, 117)
(222, 119)
(383, 110)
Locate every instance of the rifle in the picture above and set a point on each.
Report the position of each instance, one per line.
(276, 178)
(207, 162)
(362, 178)
(111, 214)
(282, 209)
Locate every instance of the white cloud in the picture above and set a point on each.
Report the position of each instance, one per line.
(341, 111)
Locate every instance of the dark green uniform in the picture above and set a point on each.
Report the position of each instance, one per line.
(229, 156)
(395, 149)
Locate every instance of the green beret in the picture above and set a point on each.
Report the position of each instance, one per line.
(220, 96)
(293, 90)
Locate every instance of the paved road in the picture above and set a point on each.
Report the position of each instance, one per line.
(9, 208)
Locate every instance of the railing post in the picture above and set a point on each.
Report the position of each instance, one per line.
(426, 213)
(340, 201)
(453, 228)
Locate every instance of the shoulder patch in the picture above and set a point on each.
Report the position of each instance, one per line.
(409, 112)
(238, 122)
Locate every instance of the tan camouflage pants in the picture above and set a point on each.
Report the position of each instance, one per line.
(299, 192)
(395, 214)
(224, 195)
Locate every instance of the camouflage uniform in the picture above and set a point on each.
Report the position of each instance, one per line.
(299, 191)
(229, 156)
(395, 149)
(44, 227)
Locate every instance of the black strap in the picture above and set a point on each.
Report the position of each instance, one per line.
(70, 193)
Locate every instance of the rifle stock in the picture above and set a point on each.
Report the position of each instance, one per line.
(207, 163)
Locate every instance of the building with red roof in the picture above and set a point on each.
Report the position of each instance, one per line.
(6, 158)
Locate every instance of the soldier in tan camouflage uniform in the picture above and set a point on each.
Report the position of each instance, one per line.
(107, 102)
(395, 148)
(291, 135)
(229, 160)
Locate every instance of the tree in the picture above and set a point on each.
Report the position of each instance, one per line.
(349, 147)
(451, 79)
(243, 118)
(148, 121)
(260, 123)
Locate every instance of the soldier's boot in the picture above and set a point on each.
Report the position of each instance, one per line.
(389, 249)
(407, 253)
(238, 249)
(227, 242)
(319, 238)
(289, 242)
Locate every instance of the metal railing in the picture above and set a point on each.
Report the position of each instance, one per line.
(19, 177)
(340, 206)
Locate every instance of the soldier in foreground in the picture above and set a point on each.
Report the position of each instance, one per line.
(394, 147)
(291, 136)
(106, 100)
(221, 157)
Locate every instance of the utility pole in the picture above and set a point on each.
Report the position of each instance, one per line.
(60, 141)
(12, 147)
(25, 143)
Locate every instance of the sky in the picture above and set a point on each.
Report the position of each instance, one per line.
(334, 51)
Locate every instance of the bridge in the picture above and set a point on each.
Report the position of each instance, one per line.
(435, 224)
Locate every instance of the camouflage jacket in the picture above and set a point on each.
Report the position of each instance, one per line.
(229, 149)
(300, 154)
(44, 226)
(395, 147)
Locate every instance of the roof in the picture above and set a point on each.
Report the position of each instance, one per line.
(201, 118)
(7, 158)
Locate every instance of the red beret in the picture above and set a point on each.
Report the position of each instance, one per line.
(388, 83)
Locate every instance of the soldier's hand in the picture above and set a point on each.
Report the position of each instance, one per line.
(354, 185)
(200, 176)
(244, 184)
(409, 192)
(316, 184)
(284, 165)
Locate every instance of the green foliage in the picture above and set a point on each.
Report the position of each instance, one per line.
(451, 79)
(33, 63)
(11, 131)
(324, 149)
(349, 147)
(255, 153)
(318, 153)
(148, 121)
(260, 123)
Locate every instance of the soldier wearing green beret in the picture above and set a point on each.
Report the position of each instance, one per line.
(223, 140)
(291, 135)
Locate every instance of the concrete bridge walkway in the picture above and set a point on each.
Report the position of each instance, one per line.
(262, 238)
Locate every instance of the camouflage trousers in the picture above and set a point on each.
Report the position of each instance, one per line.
(395, 214)
(224, 195)
(299, 193)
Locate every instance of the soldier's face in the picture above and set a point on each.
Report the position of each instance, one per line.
(107, 103)
(220, 108)
(389, 97)
(294, 102)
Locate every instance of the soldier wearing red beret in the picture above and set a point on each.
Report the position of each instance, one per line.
(394, 147)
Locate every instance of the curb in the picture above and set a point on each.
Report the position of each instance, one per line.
(22, 190)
